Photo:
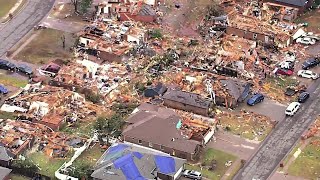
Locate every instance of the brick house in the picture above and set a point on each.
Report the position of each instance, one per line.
(147, 129)
(187, 101)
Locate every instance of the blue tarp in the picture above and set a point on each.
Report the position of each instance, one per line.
(137, 155)
(179, 124)
(117, 148)
(128, 167)
(166, 165)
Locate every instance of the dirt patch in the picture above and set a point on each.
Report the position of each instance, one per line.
(313, 20)
(183, 17)
(47, 45)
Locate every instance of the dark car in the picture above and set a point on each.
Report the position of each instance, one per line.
(25, 69)
(303, 97)
(3, 90)
(310, 63)
(286, 72)
(255, 99)
(4, 64)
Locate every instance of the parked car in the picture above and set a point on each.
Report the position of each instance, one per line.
(286, 72)
(3, 90)
(286, 65)
(306, 41)
(255, 99)
(308, 74)
(303, 97)
(292, 108)
(192, 174)
(310, 63)
(290, 56)
(25, 69)
(4, 64)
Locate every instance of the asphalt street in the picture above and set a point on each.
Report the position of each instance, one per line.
(22, 23)
(282, 139)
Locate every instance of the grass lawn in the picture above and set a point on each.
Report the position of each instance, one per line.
(90, 156)
(47, 46)
(48, 165)
(5, 6)
(83, 129)
(249, 127)
(18, 177)
(313, 20)
(6, 115)
(213, 154)
(10, 80)
(307, 165)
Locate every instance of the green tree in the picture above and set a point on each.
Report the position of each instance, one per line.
(156, 33)
(109, 126)
(26, 166)
(80, 170)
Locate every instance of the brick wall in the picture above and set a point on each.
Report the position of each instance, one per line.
(247, 34)
(186, 107)
(158, 147)
(128, 16)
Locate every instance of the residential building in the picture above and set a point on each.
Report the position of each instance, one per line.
(187, 101)
(129, 161)
(301, 5)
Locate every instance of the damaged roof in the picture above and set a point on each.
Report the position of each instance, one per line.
(299, 3)
(191, 99)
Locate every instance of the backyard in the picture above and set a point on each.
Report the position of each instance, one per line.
(207, 160)
(313, 20)
(48, 44)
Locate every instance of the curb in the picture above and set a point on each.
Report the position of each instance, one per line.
(15, 13)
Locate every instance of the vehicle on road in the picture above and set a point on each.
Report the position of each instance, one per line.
(4, 64)
(3, 90)
(308, 74)
(25, 69)
(306, 41)
(255, 99)
(310, 63)
(192, 174)
(292, 108)
(286, 72)
(303, 97)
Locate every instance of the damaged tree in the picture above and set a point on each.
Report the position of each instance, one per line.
(84, 5)
(107, 127)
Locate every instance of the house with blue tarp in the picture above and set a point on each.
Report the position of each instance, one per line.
(126, 161)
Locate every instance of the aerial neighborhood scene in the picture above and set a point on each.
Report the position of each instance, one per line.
(159, 89)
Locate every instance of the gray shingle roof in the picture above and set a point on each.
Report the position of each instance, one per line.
(300, 3)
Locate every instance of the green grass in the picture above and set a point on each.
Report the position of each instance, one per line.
(234, 171)
(83, 129)
(213, 154)
(12, 81)
(313, 20)
(47, 165)
(47, 46)
(307, 164)
(6, 115)
(18, 177)
(5, 6)
(90, 156)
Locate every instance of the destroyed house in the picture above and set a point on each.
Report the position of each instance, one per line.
(129, 161)
(302, 5)
(147, 126)
(253, 29)
(138, 12)
(187, 101)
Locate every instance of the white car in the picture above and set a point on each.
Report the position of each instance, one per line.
(306, 41)
(292, 108)
(192, 174)
(308, 74)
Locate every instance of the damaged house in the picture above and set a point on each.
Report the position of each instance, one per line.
(300, 5)
(184, 137)
(129, 161)
(187, 101)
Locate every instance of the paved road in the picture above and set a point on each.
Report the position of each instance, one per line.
(20, 25)
(281, 140)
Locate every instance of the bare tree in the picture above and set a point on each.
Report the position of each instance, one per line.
(75, 5)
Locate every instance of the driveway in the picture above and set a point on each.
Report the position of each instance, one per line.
(268, 107)
(22, 23)
(282, 139)
(233, 144)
